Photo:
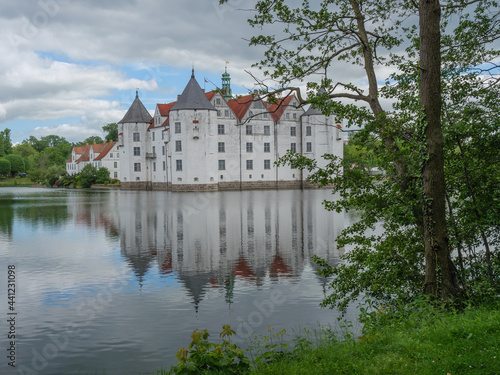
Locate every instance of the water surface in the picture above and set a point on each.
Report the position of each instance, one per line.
(118, 280)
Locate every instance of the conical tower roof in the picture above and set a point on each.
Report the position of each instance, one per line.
(193, 97)
(137, 112)
(312, 111)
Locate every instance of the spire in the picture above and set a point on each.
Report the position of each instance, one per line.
(226, 84)
(137, 112)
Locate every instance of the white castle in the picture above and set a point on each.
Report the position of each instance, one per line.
(211, 141)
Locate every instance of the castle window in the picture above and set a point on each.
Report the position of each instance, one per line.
(178, 146)
(267, 130)
(308, 147)
(154, 166)
(287, 115)
(267, 147)
(116, 174)
(293, 131)
(154, 151)
(249, 164)
(136, 137)
(115, 164)
(217, 101)
(164, 165)
(267, 164)
(222, 165)
(177, 128)
(153, 135)
(111, 155)
(264, 114)
(308, 130)
(137, 151)
(226, 113)
(293, 147)
(163, 150)
(137, 167)
(249, 147)
(221, 147)
(249, 130)
(220, 129)
(178, 165)
(294, 116)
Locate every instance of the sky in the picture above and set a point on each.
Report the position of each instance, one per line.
(68, 67)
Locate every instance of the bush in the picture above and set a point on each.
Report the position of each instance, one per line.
(35, 175)
(205, 357)
(53, 174)
(88, 176)
(103, 176)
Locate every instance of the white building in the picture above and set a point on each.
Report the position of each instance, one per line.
(99, 155)
(208, 141)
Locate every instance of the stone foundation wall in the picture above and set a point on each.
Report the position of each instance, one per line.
(221, 186)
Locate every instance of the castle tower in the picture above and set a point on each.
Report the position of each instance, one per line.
(193, 139)
(320, 135)
(226, 85)
(133, 144)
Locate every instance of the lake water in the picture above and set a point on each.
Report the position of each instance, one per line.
(115, 282)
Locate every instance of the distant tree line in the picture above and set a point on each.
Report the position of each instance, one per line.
(44, 160)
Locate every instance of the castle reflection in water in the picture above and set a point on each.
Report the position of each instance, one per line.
(212, 240)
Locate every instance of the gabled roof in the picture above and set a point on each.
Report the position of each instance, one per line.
(79, 149)
(136, 113)
(97, 148)
(240, 106)
(164, 108)
(193, 97)
(277, 109)
(105, 150)
(210, 94)
(85, 155)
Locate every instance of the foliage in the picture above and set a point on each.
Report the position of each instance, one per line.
(391, 266)
(35, 175)
(92, 140)
(103, 176)
(88, 176)
(4, 166)
(16, 163)
(112, 132)
(211, 358)
(53, 174)
(270, 348)
(5, 143)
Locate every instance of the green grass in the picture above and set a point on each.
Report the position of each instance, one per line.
(443, 343)
(15, 181)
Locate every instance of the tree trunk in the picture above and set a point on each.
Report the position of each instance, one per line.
(440, 274)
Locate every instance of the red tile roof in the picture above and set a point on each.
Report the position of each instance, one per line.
(165, 108)
(107, 147)
(277, 109)
(85, 155)
(240, 106)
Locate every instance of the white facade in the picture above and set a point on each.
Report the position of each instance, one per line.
(205, 142)
(99, 155)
